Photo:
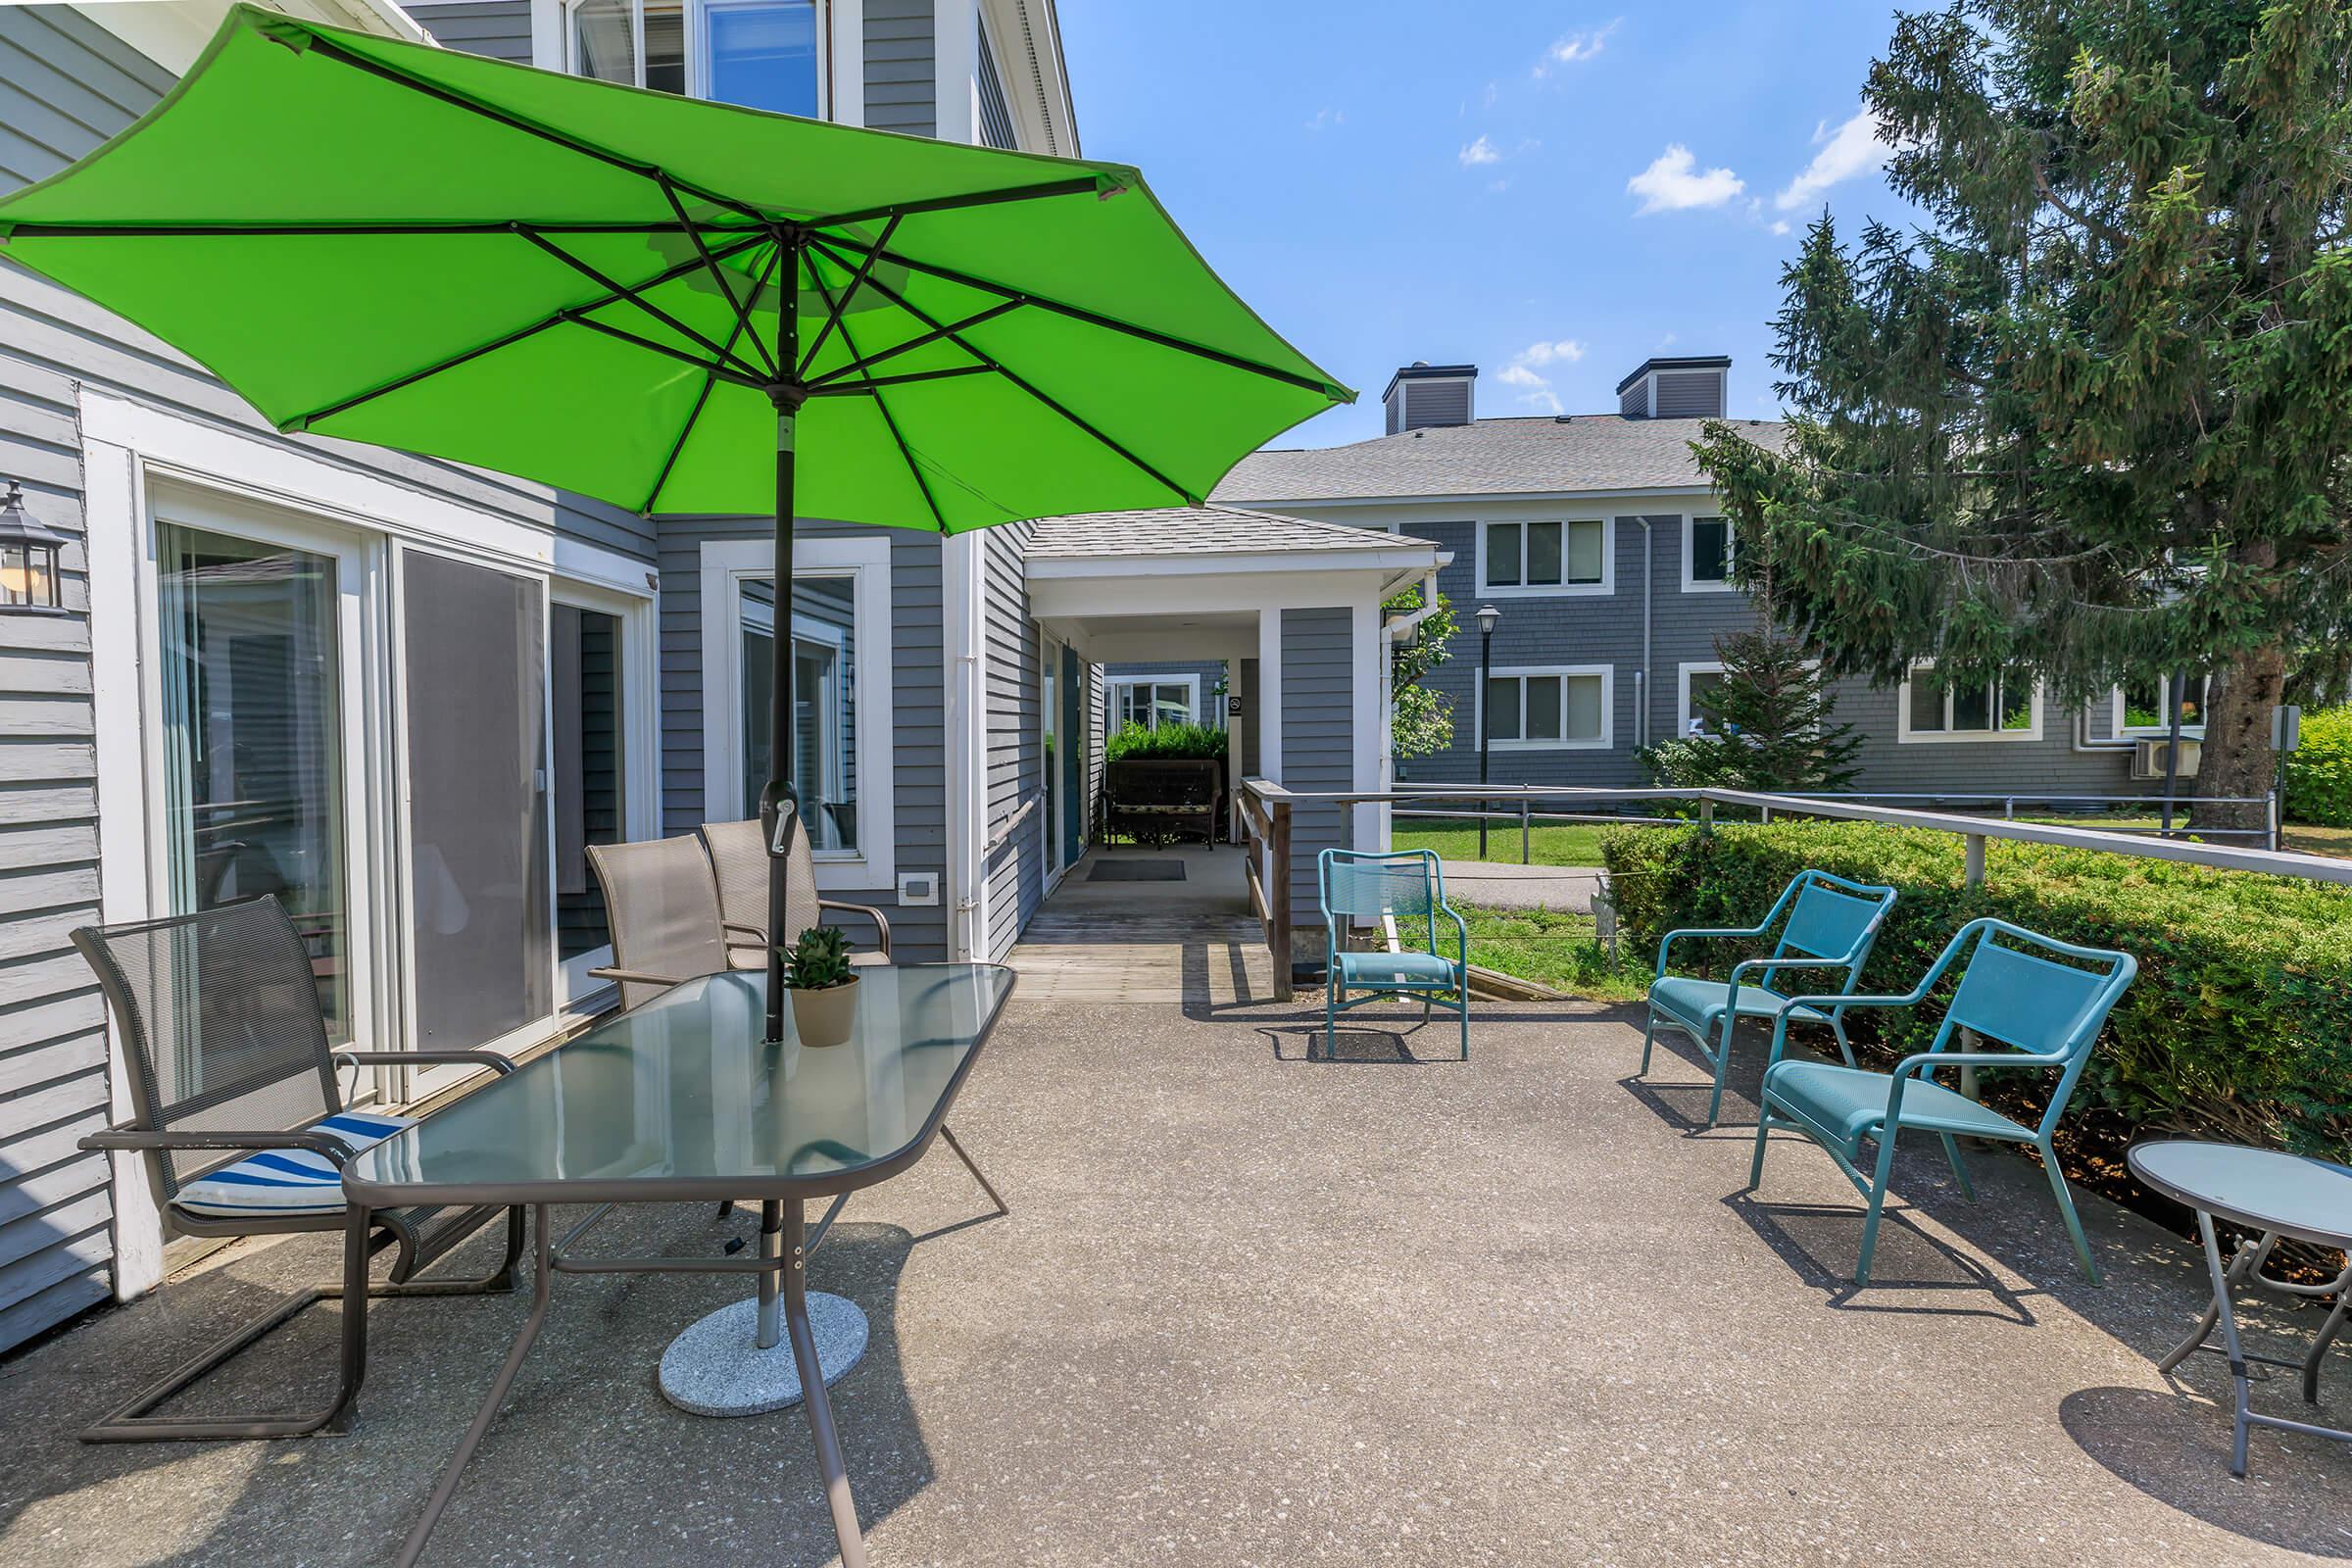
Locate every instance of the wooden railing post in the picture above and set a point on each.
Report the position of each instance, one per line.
(1277, 897)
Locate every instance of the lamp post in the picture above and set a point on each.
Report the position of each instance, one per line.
(29, 580)
(1488, 618)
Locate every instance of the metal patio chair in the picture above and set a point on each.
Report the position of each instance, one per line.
(662, 904)
(1410, 885)
(244, 1130)
(2046, 1012)
(738, 852)
(1831, 924)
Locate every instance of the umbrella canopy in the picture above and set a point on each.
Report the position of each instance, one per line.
(671, 305)
(583, 284)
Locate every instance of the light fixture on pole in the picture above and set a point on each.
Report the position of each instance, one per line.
(1488, 618)
(29, 580)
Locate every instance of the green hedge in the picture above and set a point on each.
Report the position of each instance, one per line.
(2239, 1026)
(2318, 773)
(1194, 742)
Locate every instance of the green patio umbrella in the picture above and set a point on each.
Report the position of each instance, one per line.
(585, 285)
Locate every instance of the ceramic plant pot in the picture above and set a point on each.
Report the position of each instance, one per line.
(825, 1017)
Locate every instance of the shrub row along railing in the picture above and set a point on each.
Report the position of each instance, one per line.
(2239, 1025)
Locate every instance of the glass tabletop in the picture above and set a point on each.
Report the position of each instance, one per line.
(682, 1100)
(2267, 1189)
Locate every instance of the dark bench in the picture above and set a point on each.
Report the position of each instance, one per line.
(1149, 798)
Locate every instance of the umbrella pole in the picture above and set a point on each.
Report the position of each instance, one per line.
(777, 806)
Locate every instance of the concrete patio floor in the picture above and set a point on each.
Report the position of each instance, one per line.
(1255, 1309)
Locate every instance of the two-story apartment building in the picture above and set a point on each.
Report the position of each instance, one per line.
(403, 695)
(1606, 551)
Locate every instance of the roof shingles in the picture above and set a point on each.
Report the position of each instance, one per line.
(1583, 453)
(1192, 530)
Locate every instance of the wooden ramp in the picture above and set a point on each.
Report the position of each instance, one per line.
(1189, 942)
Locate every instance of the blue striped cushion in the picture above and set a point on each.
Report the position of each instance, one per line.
(288, 1181)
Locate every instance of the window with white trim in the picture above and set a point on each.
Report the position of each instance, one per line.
(2007, 708)
(824, 650)
(1154, 700)
(1710, 550)
(1699, 679)
(1533, 709)
(761, 54)
(1562, 555)
(2140, 707)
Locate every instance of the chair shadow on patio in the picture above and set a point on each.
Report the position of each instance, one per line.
(585, 1447)
(1680, 1081)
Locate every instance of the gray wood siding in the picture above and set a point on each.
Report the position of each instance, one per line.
(1690, 395)
(498, 29)
(1246, 686)
(1015, 872)
(918, 704)
(66, 86)
(1570, 629)
(1318, 743)
(1094, 751)
(901, 87)
(996, 114)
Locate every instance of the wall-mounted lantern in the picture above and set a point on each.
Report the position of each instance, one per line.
(28, 578)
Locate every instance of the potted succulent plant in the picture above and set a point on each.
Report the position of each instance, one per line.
(824, 986)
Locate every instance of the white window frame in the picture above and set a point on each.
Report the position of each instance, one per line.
(696, 21)
(1905, 735)
(1694, 585)
(1113, 687)
(1608, 707)
(726, 565)
(1607, 584)
(640, 760)
(2188, 731)
(1683, 711)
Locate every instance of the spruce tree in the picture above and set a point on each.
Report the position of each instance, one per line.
(1770, 726)
(2092, 422)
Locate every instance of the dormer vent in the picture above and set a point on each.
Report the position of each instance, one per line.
(1694, 387)
(1423, 396)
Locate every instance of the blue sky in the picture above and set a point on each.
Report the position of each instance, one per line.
(1496, 182)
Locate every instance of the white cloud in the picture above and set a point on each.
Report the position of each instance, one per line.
(1524, 372)
(1856, 147)
(1481, 151)
(1674, 183)
(1575, 48)
(1780, 226)
(1325, 119)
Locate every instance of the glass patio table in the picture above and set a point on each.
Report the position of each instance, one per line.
(682, 1100)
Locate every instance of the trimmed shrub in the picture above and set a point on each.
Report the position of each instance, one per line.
(1198, 742)
(2318, 773)
(2239, 1025)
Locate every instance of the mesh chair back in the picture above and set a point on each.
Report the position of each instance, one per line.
(739, 860)
(664, 910)
(221, 1026)
(1367, 886)
(1829, 922)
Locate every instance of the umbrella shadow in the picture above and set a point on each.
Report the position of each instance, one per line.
(2174, 1446)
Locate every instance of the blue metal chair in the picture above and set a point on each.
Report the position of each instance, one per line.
(1831, 924)
(1407, 886)
(2046, 1012)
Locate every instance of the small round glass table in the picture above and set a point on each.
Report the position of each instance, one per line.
(2272, 1196)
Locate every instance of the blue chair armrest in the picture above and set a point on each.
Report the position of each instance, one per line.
(1461, 934)
(1928, 1061)
(1839, 1004)
(1668, 940)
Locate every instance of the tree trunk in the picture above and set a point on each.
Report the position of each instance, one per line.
(2237, 760)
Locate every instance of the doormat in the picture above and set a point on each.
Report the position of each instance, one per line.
(1137, 871)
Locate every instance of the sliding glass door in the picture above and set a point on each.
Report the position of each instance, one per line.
(254, 798)
(481, 933)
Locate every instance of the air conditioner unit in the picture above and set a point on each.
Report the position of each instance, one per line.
(2148, 757)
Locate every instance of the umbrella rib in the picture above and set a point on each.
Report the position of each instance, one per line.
(757, 382)
(835, 389)
(883, 408)
(1080, 313)
(508, 340)
(1023, 382)
(743, 319)
(702, 399)
(930, 337)
(837, 306)
(1086, 185)
(502, 226)
(514, 121)
(635, 297)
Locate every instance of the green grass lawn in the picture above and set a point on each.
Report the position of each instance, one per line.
(1555, 949)
(1551, 844)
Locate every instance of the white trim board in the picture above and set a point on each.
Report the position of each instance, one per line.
(1563, 589)
(726, 564)
(1608, 707)
(1905, 735)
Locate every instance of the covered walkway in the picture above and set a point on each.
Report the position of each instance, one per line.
(1131, 924)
